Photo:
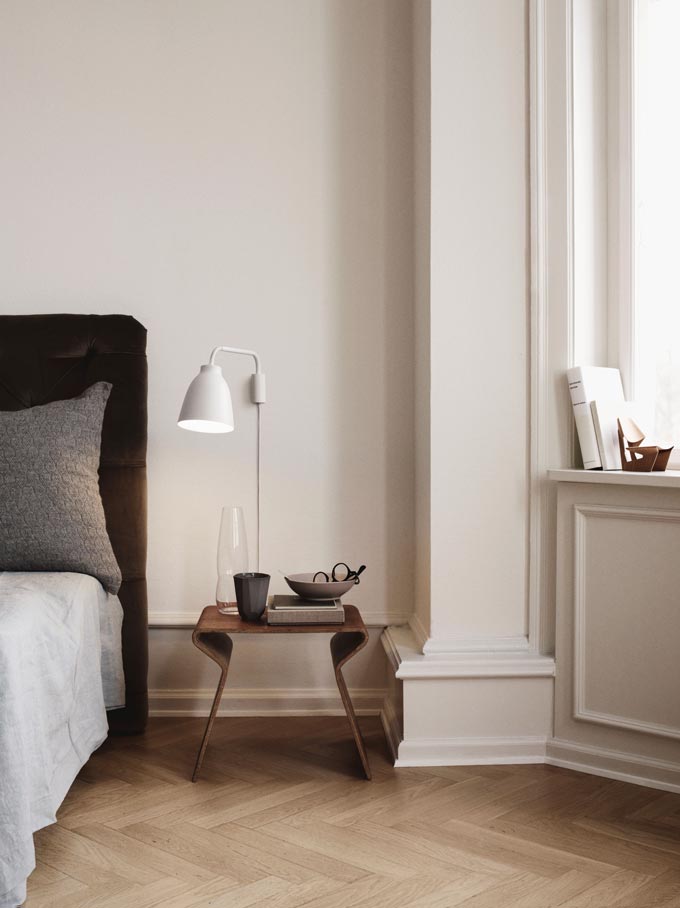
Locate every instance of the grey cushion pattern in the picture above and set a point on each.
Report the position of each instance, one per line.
(51, 513)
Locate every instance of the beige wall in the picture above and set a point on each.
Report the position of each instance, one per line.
(291, 673)
(422, 154)
(239, 173)
(479, 313)
(474, 687)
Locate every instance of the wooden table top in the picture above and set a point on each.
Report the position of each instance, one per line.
(212, 621)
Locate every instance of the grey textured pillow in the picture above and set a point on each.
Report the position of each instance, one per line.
(51, 512)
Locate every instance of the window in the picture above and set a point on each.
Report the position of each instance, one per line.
(656, 125)
(644, 207)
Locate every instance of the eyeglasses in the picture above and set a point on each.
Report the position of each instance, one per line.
(341, 572)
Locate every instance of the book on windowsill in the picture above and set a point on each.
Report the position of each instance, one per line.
(294, 610)
(586, 384)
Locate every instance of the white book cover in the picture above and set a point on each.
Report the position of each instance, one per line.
(588, 383)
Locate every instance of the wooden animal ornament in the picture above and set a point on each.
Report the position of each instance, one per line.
(637, 458)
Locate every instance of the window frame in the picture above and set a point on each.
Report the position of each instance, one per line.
(622, 25)
(624, 21)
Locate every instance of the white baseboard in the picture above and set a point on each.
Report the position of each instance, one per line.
(636, 769)
(391, 727)
(264, 702)
(611, 764)
(471, 751)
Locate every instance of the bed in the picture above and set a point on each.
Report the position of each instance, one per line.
(58, 632)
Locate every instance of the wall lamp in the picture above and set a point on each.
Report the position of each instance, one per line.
(207, 407)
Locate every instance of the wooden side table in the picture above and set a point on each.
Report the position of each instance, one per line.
(213, 634)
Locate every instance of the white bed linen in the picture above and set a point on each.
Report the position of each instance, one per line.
(60, 668)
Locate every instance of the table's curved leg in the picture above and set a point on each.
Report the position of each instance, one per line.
(343, 647)
(218, 647)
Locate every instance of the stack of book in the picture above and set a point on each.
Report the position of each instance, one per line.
(294, 610)
(598, 401)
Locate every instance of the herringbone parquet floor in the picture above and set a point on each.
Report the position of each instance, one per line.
(281, 818)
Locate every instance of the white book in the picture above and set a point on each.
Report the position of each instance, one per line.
(588, 383)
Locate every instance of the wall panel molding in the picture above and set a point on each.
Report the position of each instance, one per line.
(409, 662)
(551, 323)
(582, 514)
(650, 728)
(442, 646)
(539, 384)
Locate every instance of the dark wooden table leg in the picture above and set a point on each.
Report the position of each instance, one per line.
(218, 647)
(343, 647)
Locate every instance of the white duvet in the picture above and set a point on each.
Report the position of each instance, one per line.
(60, 668)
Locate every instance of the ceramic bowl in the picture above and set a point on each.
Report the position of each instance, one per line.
(304, 586)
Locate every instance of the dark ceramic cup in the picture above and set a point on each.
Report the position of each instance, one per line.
(251, 595)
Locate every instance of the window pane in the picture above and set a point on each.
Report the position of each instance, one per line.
(657, 212)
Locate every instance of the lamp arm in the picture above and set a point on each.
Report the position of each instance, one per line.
(258, 392)
(258, 396)
(252, 353)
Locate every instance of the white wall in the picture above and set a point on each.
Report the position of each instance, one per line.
(241, 173)
(475, 688)
(421, 211)
(479, 319)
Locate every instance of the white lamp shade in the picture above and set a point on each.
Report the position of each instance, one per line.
(207, 403)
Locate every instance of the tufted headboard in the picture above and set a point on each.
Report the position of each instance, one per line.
(54, 357)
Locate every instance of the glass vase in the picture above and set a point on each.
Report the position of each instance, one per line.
(232, 557)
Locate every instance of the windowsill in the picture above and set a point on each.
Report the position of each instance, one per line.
(668, 480)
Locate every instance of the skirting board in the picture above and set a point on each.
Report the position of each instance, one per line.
(632, 768)
(471, 751)
(264, 702)
(636, 770)
(392, 728)
(598, 761)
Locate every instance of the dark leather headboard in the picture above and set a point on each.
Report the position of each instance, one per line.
(55, 357)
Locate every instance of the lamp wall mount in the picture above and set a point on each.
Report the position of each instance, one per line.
(258, 389)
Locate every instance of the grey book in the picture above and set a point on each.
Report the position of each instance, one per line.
(307, 614)
(297, 603)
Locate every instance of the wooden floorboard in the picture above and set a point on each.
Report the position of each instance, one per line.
(282, 817)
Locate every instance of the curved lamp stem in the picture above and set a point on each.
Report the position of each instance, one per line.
(258, 397)
(252, 353)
